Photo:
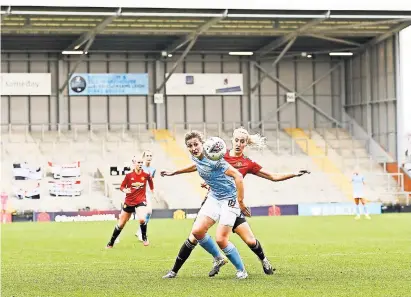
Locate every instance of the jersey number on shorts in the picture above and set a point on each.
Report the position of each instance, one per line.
(231, 203)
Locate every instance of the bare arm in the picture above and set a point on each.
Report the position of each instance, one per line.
(150, 183)
(276, 178)
(187, 169)
(238, 179)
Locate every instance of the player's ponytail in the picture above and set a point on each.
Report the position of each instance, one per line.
(256, 140)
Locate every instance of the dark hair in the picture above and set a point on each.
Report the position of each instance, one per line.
(193, 134)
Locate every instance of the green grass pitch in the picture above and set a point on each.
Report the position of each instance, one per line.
(314, 256)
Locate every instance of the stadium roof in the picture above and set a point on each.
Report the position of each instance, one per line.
(264, 32)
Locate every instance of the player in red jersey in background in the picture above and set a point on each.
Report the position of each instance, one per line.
(235, 157)
(134, 185)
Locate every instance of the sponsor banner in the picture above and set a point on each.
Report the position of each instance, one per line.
(332, 209)
(86, 84)
(177, 214)
(283, 210)
(22, 217)
(222, 84)
(25, 84)
(80, 216)
(274, 210)
(395, 208)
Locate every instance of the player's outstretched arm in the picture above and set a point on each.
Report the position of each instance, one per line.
(187, 169)
(276, 178)
(238, 179)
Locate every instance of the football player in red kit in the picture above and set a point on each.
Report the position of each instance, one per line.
(134, 186)
(235, 157)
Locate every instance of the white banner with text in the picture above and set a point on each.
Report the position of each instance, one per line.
(222, 84)
(25, 84)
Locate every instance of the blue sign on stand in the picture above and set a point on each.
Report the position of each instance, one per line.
(88, 84)
(332, 209)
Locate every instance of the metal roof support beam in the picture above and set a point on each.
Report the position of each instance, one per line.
(79, 60)
(274, 44)
(300, 95)
(279, 57)
(200, 30)
(180, 59)
(6, 13)
(279, 42)
(192, 38)
(291, 38)
(201, 14)
(93, 32)
(388, 34)
(333, 39)
(383, 37)
(361, 24)
(298, 54)
(311, 16)
(328, 73)
(176, 45)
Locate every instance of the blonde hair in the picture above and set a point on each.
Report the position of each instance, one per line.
(146, 151)
(254, 140)
(193, 134)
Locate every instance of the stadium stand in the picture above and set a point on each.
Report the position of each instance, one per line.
(330, 154)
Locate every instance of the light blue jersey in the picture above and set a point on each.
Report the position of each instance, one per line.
(221, 185)
(152, 171)
(357, 184)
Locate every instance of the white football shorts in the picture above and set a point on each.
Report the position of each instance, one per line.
(358, 194)
(223, 211)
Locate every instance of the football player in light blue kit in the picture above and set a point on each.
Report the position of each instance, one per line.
(358, 183)
(147, 168)
(224, 203)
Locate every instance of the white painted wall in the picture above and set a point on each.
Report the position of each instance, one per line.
(404, 85)
(79, 110)
(371, 94)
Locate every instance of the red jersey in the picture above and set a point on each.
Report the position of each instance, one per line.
(137, 184)
(242, 164)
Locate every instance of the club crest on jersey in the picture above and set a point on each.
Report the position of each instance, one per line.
(137, 185)
(238, 165)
